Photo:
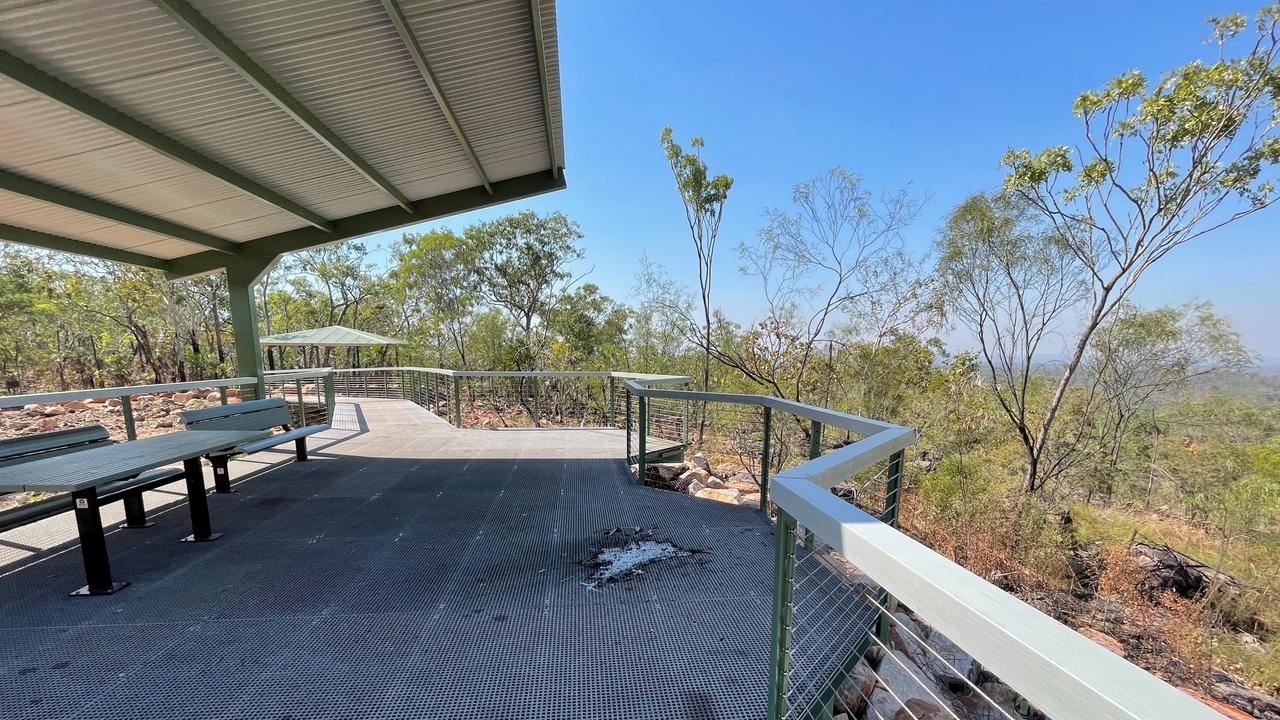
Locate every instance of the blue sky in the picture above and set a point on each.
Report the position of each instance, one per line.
(924, 93)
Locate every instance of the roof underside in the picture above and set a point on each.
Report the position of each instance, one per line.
(180, 135)
(331, 336)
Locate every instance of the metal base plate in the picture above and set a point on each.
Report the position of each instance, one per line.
(194, 539)
(85, 591)
(127, 526)
(229, 491)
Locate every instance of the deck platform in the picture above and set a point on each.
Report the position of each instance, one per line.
(410, 570)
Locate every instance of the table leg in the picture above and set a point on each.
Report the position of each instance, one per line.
(198, 502)
(93, 545)
(135, 512)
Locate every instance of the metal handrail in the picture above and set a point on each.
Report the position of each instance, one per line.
(12, 401)
(1059, 671)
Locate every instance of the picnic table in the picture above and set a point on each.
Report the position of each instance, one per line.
(82, 473)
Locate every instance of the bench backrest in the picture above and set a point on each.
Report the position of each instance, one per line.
(252, 415)
(58, 442)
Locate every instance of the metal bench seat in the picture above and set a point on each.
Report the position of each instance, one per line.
(15, 451)
(252, 415)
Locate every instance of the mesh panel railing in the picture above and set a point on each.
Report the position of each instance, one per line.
(475, 399)
(309, 394)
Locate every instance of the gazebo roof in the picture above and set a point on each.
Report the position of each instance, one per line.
(190, 135)
(332, 336)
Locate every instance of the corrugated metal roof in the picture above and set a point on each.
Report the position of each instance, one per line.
(331, 336)
(343, 60)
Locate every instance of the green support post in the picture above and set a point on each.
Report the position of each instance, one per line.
(892, 490)
(126, 408)
(764, 459)
(302, 406)
(612, 413)
(537, 401)
(643, 425)
(457, 401)
(241, 278)
(684, 424)
(329, 397)
(626, 397)
(222, 394)
(783, 595)
(815, 451)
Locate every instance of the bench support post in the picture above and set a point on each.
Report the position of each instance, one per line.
(93, 545)
(198, 503)
(135, 512)
(221, 473)
(300, 449)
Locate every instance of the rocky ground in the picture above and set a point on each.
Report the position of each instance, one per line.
(696, 477)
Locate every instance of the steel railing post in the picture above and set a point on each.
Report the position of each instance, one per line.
(643, 407)
(457, 401)
(612, 412)
(302, 406)
(764, 459)
(892, 490)
(626, 397)
(329, 396)
(784, 568)
(537, 401)
(126, 409)
(815, 451)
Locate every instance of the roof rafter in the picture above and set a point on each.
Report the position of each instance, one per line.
(62, 197)
(50, 87)
(49, 241)
(415, 51)
(265, 249)
(535, 18)
(237, 59)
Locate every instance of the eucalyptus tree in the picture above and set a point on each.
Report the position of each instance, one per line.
(1159, 165)
(436, 274)
(833, 271)
(524, 266)
(703, 196)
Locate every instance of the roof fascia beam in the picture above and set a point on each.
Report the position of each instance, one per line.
(55, 195)
(48, 241)
(266, 249)
(535, 18)
(50, 87)
(415, 51)
(238, 60)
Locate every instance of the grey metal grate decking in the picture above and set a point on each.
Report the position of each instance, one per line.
(409, 571)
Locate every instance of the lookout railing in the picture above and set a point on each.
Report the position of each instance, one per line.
(865, 620)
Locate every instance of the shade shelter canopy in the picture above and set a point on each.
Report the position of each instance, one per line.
(331, 336)
(193, 136)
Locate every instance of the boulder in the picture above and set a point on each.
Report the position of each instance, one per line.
(699, 461)
(53, 410)
(182, 398)
(47, 423)
(917, 709)
(664, 474)
(852, 695)
(114, 402)
(164, 422)
(695, 487)
(959, 667)
(233, 392)
(33, 409)
(899, 671)
(691, 477)
(905, 634)
(76, 405)
(214, 396)
(715, 482)
(752, 499)
(723, 495)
